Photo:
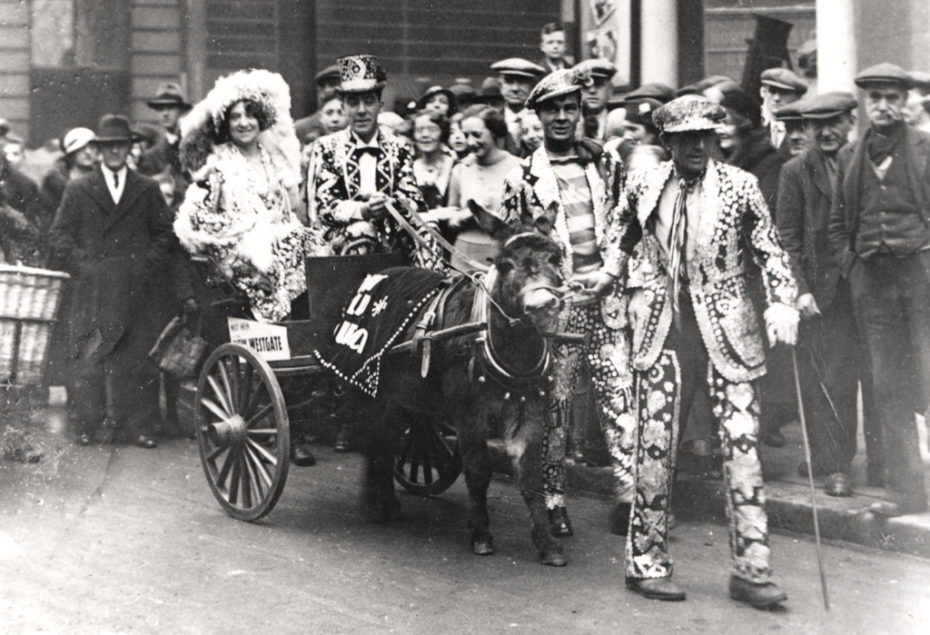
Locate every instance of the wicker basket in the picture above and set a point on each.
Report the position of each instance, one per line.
(29, 300)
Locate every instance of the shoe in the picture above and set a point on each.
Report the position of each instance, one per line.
(773, 439)
(301, 455)
(145, 442)
(656, 589)
(760, 596)
(559, 524)
(84, 439)
(343, 443)
(838, 485)
(619, 520)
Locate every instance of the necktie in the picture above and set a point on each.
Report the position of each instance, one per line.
(358, 152)
(116, 180)
(676, 245)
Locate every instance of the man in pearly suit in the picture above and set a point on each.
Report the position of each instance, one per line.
(697, 226)
(568, 189)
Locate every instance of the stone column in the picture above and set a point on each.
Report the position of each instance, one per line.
(659, 42)
(836, 45)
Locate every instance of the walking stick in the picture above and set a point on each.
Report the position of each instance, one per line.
(810, 478)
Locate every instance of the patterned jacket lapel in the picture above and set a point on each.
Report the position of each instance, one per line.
(384, 167)
(547, 193)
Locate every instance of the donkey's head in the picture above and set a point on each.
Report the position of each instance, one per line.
(529, 266)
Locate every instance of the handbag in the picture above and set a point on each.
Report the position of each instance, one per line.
(179, 349)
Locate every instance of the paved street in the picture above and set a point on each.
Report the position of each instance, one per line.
(114, 540)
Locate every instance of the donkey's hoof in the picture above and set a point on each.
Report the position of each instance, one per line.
(553, 556)
(483, 548)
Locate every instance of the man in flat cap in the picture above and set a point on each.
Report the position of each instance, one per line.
(170, 104)
(517, 78)
(795, 131)
(832, 357)
(568, 189)
(780, 87)
(595, 97)
(880, 237)
(698, 227)
(327, 83)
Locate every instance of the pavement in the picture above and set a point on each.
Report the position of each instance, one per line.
(696, 497)
(788, 499)
(118, 539)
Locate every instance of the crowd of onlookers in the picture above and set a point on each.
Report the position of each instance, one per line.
(467, 138)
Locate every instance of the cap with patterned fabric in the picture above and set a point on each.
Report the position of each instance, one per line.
(557, 84)
(361, 74)
(688, 113)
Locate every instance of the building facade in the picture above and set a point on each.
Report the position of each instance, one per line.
(66, 62)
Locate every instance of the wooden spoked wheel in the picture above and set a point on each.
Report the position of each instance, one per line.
(243, 431)
(428, 461)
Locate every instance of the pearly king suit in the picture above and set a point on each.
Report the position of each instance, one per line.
(334, 196)
(719, 336)
(532, 196)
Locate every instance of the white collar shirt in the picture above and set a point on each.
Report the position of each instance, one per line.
(116, 181)
(367, 165)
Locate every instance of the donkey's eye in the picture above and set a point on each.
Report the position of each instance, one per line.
(555, 260)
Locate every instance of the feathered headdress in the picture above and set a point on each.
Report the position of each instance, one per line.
(199, 127)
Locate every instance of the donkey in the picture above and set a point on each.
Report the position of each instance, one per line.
(470, 381)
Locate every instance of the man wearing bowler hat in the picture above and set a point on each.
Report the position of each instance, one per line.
(699, 226)
(111, 232)
(831, 356)
(517, 77)
(171, 104)
(879, 232)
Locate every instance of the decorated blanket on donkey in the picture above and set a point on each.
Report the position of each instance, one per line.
(379, 312)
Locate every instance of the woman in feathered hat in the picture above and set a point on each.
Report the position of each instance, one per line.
(242, 208)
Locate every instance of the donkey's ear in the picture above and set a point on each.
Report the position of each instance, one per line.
(494, 226)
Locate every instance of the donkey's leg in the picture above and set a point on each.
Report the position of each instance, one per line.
(524, 437)
(379, 502)
(471, 427)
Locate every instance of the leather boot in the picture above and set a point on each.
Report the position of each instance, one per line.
(760, 596)
(656, 589)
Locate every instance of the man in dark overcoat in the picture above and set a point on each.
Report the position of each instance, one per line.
(880, 238)
(111, 232)
(831, 358)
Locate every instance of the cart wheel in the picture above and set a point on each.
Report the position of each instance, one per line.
(429, 461)
(243, 431)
